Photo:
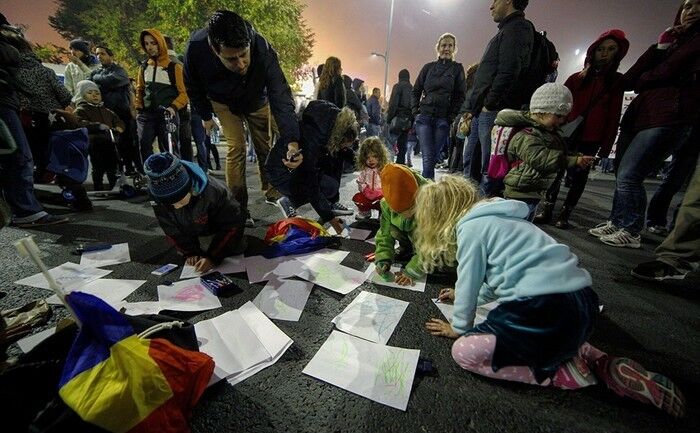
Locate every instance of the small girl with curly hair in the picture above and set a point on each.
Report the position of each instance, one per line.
(370, 161)
(547, 309)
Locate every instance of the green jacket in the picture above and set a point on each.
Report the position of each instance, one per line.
(542, 153)
(393, 227)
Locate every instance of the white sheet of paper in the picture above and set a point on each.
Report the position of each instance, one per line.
(109, 290)
(138, 308)
(28, 343)
(275, 341)
(69, 275)
(331, 275)
(445, 309)
(230, 265)
(352, 233)
(380, 373)
(187, 295)
(418, 285)
(259, 268)
(371, 316)
(283, 299)
(482, 311)
(242, 342)
(119, 253)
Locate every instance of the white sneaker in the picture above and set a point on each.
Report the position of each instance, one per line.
(604, 229)
(622, 238)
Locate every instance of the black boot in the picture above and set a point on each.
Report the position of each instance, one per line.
(545, 216)
(563, 218)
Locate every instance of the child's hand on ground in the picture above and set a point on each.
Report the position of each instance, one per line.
(402, 279)
(192, 260)
(204, 264)
(440, 328)
(447, 296)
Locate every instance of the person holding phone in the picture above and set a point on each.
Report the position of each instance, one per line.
(309, 171)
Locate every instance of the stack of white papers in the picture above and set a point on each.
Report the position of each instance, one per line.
(259, 268)
(371, 316)
(241, 342)
(418, 285)
(119, 253)
(375, 371)
(110, 291)
(70, 276)
(283, 299)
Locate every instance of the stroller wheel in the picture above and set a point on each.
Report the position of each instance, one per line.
(68, 195)
(128, 191)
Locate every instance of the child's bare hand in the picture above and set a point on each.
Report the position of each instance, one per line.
(192, 260)
(585, 161)
(203, 265)
(440, 328)
(402, 279)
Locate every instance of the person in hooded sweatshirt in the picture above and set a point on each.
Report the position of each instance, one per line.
(538, 332)
(659, 122)
(192, 209)
(159, 84)
(81, 65)
(400, 109)
(597, 90)
(100, 121)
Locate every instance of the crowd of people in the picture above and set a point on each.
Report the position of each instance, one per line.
(515, 136)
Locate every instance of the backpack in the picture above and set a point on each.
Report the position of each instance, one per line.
(499, 165)
(544, 53)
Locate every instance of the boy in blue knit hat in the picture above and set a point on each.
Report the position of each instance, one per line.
(189, 205)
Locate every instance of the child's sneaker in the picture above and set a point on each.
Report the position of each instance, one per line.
(339, 209)
(604, 229)
(574, 374)
(363, 215)
(658, 230)
(627, 378)
(285, 206)
(622, 239)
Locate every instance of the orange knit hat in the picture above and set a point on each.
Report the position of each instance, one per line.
(399, 187)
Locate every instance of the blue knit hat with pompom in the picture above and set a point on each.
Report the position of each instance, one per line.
(168, 180)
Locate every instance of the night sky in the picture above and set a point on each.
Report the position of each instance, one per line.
(351, 30)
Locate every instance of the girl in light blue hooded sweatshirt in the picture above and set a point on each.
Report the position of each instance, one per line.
(547, 310)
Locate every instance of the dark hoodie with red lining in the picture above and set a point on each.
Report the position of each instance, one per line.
(668, 84)
(602, 90)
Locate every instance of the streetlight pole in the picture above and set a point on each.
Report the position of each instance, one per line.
(388, 45)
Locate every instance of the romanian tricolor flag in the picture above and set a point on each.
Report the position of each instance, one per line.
(123, 383)
(295, 236)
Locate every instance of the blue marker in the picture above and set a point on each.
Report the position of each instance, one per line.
(93, 247)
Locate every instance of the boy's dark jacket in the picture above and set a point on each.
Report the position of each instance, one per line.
(207, 78)
(212, 211)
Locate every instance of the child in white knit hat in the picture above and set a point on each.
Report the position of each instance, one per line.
(537, 152)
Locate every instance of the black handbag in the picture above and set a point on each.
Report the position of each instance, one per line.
(399, 125)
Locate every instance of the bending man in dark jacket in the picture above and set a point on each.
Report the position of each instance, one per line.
(500, 78)
(400, 107)
(231, 70)
(309, 172)
(190, 205)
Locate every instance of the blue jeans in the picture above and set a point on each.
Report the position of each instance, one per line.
(647, 149)
(475, 157)
(17, 174)
(201, 140)
(432, 133)
(486, 122)
(532, 204)
(681, 167)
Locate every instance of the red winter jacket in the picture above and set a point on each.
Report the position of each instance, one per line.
(668, 84)
(602, 88)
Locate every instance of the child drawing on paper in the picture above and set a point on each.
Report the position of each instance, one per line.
(371, 159)
(547, 309)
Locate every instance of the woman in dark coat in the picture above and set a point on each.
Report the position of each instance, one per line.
(330, 86)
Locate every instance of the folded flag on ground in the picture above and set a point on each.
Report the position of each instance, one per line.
(123, 383)
(296, 236)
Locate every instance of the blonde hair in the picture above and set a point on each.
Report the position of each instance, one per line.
(439, 206)
(372, 146)
(445, 36)
(331, 70)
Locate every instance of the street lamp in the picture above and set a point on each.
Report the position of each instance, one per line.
(385, 56)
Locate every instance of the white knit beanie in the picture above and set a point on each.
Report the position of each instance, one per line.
(552, 98)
